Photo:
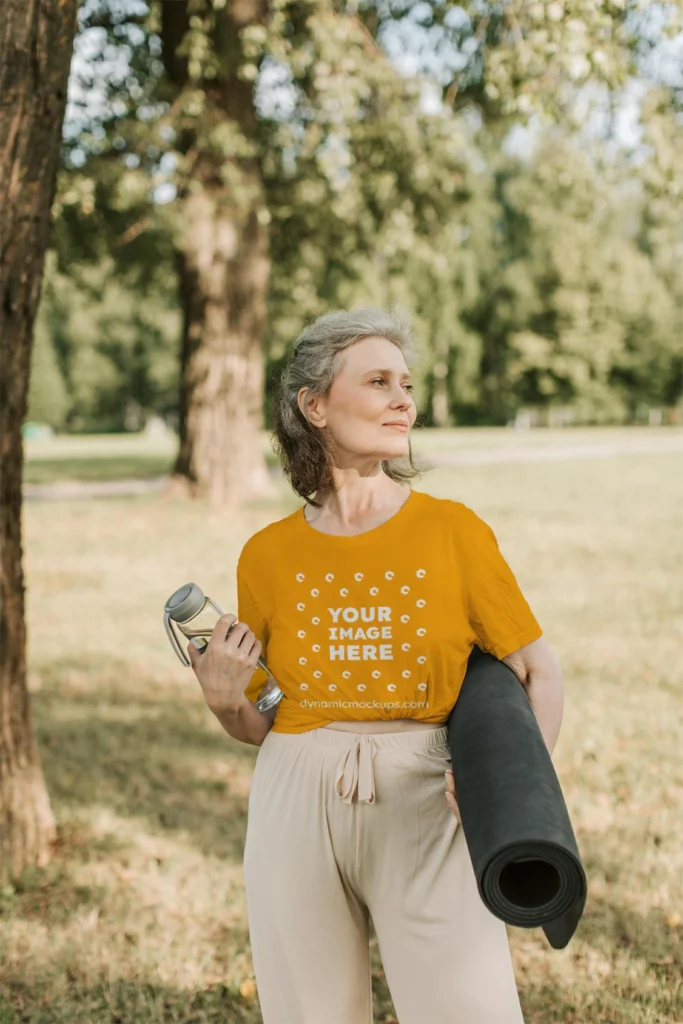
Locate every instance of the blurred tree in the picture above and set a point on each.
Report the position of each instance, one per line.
(368, 193)
(222, 250)
(37, 43)
(353, 145)
(48, 401)
(113, 341)
(241, 176)
(660, 234)
(575, 299)
(362, 155)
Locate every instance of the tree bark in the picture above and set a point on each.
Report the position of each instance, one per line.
(36, 37)
(223, 270)
(223, 276)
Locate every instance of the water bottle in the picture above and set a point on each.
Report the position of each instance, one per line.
(195, 616)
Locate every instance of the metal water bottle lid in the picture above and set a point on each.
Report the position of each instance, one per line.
(185, 602)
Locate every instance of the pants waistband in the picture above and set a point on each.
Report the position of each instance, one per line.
(354, 772)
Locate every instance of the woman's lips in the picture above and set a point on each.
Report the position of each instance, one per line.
(397, 426)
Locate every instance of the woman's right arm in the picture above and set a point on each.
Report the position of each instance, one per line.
(246, 723)
(223, 671)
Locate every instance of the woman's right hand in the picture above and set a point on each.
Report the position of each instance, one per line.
(227, 664)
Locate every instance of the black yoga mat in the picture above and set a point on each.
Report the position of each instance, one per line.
(512, 810)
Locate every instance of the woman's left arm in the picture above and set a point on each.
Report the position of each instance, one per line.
(538, 670)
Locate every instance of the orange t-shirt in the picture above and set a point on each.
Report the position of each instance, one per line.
(379, 625)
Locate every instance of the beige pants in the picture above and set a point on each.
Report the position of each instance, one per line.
(345, 826)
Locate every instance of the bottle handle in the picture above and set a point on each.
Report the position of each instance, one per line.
(175, 644)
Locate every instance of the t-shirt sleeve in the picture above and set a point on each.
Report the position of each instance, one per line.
(254, 613)
(498, 611)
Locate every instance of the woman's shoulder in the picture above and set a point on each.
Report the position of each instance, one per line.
(270, 536)
(450, 508)
(461, 520)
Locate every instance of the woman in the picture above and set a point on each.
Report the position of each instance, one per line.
(367, 602)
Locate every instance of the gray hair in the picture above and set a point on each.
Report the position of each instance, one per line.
(301, 448)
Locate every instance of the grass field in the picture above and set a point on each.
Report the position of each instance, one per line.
(141, 917)
(133, 456)
(97, 457)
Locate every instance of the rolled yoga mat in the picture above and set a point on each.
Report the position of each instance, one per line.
(513, 815)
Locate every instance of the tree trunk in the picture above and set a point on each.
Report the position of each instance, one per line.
(441, 416)
(223, 275)
(36, 37)
(223, 270)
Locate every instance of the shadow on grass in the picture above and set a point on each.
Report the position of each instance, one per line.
(639, 979)
(123, 1001)
(24, 999)
(630, 946)
(155, 759)
(120, 467)
(133, 466)
(145, 753)
(611, 925)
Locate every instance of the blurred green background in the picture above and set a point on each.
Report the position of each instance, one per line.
(508, 172)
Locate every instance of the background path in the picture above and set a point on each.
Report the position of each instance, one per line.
(70, 489)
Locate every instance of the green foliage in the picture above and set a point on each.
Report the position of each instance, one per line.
(48, 399)
(114, 345)
(579, 314)
(549, 281)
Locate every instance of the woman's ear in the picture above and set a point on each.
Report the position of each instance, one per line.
(310, 410)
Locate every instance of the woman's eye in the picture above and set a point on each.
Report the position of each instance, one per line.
(409, 387)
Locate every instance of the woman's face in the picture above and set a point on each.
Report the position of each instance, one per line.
(372, 388)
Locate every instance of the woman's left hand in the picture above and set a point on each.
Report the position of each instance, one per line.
(450, 793)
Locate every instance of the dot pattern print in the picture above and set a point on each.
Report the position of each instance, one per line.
(373, 625)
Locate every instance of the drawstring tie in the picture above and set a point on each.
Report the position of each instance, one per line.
(354, 771)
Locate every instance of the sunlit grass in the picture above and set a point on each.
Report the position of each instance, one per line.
(141, 917)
